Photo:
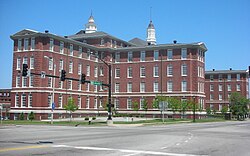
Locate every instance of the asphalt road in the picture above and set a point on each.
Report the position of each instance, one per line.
(218, 139)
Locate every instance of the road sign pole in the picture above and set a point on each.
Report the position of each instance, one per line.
(1, 107)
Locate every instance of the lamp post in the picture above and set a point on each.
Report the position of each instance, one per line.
(109, 120)
(53, 90)
(1, 107)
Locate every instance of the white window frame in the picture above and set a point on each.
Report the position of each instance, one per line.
(70, 85)
(26, 44)
(238, 88)
(88, 70)
(170, 86)
(184, 86)
(143, 56)
(184, 70)
(129, 103)
(61, 47)
(170, 70)
(61, 64)
(129, 87)
(170, 53)
(156, 87)
(130, 56)
(17, 100)
(142, 71)
(71, 67)
(18, 64)
(19, 45)
(129, 72)
(117, 73)
(71, 50)
(79, 71)
(23, 100)
(238, 77)
(142, 87)
(117, 57)
(51, 44)
(31, 81)
(117, 87)
(32, 61)
(24, 82)
(33, 43)
(184, 53)
(156, 55)
(30, 100)
(156, 71)
(96, 71)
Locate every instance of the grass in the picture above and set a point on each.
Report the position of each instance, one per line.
(101, 123)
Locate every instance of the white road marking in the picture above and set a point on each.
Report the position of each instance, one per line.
(133, 152)
(177, 144)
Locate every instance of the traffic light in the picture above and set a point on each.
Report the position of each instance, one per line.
(83, 78)
(63, 75)
(25, 70)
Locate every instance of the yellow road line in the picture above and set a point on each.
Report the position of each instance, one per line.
(22, 148)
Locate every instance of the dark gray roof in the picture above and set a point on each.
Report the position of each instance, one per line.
(225, 71)
(138, 42)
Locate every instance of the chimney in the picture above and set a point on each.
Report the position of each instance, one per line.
(46, 31)
(175, 41)
(230, 68)
(213, 69)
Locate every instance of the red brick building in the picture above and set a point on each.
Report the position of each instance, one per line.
(140, 70)
(221, 83)
(5, 102)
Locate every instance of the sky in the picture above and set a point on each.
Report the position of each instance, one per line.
(223, 25)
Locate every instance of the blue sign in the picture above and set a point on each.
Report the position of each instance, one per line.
(53, 106)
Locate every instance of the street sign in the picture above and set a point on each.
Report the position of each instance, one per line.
(43, 74)
(96, 83)
(163, 105)
(53, 106)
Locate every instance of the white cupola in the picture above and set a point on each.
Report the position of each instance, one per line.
(90, 27)
(151, 34)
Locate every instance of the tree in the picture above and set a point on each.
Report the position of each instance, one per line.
(238, 105)
(174, 104)
(31, 116)
(70, 106)
(224, 110)
(21, 116)
(185, 105)
(135, 106)
(208, 110)
(145, 106)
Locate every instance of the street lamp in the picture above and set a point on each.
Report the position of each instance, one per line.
(53, 90)
(109, 120)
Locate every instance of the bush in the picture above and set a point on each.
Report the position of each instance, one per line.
(86, 118)
(21, 116)
(93, 118)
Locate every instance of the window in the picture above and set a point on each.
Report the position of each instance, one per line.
(70, 67)
(170, 86)
(117, 87)
(24, 81)
(142, 72)
(238, 77)
(88, 54)
(220, 96)
(101, 70)
(170, 70)
(129, 103)
(156, 87)
(17, 100)
(61, 47)
(25, 60)
(88, 70)
(26, 43)
(130, 56)
(115, 44)
(18, 80)
(220, 77)
(96, 72)
(95, 88)
(220, 87)
(33, 43)
(50, 63)
(30, 100)
(61, 64)
(142, 101)
(117, 72)
(117, 103)
(211, 97)
(102, 41)
(79, 101)
(129, 72)
(129, 87)
(156, 71)
(50, 82)
(143, 55)
(142, 87)
(238, 87)
(18, 63)
(51, 44)
(49, 100)
(79, 68)
(184, 70)
(183, 53)
(32, 62)
(60, 84)
(24, 100)
(117, 57)
(220, 107)
(170, 54)
(229, 88)
(184, 86)
(95, 103)
(79, 85)
(87, 87)
(70, 84)
(87, 103)
(212, 106)
(80, 52)
(19, 46)
(211, 77)
(211, 87)
(60, 100)
(31, 81)
(229, 77)
(71, 50)
(156, 55)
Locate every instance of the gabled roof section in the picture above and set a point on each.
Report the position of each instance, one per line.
(25, 32)
(138, 42)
